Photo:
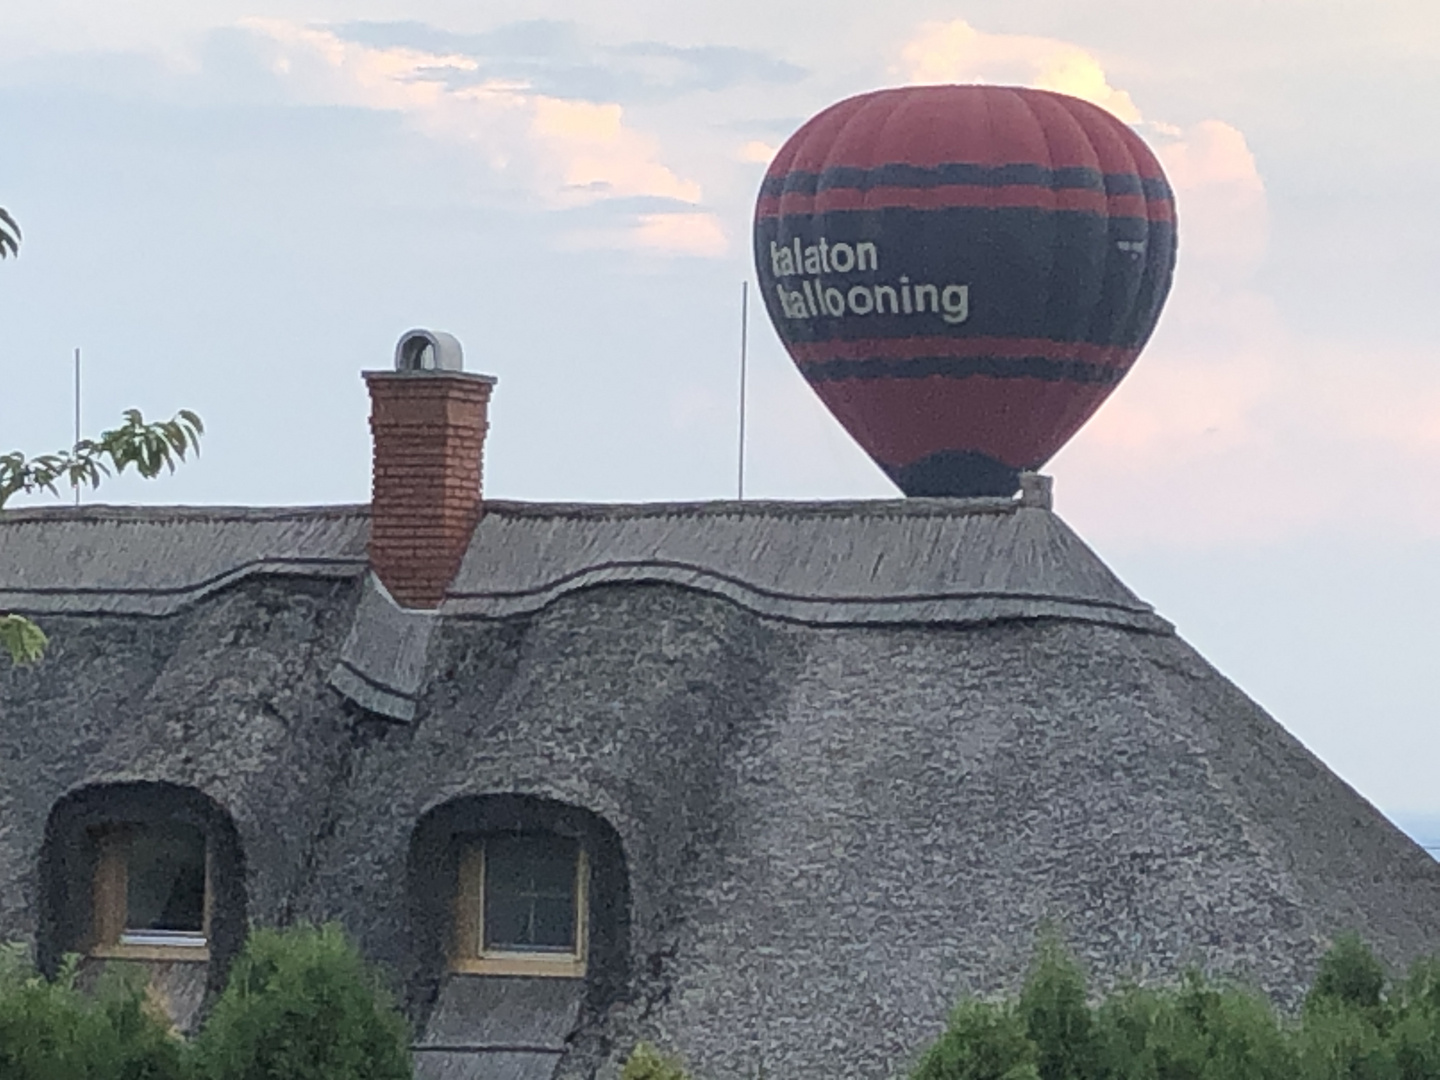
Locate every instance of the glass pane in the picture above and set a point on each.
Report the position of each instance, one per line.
(530, 893)
(165, 880)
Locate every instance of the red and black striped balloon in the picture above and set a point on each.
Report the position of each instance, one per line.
(964, 273)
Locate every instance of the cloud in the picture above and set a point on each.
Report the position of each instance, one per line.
(555, 57)
(688, 233)
(1306, 436)
(1219, 190)
(946, 52)
(1234, 426)
(600, 155)
(1221, 197)
(562, 152)
(756, 152)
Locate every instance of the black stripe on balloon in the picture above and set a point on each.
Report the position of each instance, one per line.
(964, 367)
(965, 175)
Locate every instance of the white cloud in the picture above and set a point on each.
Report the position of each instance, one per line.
(946, 52)
(688, 234)
(696, 234)
(756, 152)
(1220, 194)
(1221, 197)
(1211, 422)
(1305, 437)
(565, 152)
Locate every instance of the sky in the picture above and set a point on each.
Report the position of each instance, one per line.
(237, 206)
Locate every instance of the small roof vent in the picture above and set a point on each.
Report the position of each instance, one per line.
(428, 350)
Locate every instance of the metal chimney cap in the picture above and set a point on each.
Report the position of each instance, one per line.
(428, 350)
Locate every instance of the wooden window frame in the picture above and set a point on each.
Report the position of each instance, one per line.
(470, 955)
(110, 907)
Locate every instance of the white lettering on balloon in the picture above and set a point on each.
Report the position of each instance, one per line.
(815, 297)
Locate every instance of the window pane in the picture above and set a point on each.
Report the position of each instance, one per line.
(165, 880)
(530, 893)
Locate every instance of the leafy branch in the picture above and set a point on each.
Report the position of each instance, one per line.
(150, 447)
(9, 234)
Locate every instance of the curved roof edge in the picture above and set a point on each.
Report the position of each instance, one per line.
(838, 611)
(953, 561)
(156, 560)
(902, 561)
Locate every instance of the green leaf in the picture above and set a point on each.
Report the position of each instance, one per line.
(149, 447)
(9, 234)
(22, 639)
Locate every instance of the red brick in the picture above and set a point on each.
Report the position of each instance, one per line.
(429, 438)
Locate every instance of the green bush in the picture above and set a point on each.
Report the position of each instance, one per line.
(1412, 1011)
(648, 1063)
(49, 1030)
(1196, 1032)
(301, 1004)
(1350, 977)
(1354, 1026)
(983, 1041)
(1057, 1019)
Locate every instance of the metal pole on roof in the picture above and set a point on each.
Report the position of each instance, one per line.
(77, 414)
(744, 341)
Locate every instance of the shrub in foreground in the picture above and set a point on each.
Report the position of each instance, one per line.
(983, 1041)
(302, 1004)
(1354, 1026)
(1198, 1032)
(49, 1030)
(648, 1063)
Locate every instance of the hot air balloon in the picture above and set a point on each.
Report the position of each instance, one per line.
(964, 273)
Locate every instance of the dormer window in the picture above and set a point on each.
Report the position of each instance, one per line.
(522, 906)
(152, 893)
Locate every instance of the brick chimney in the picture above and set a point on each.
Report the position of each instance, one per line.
(428, 421)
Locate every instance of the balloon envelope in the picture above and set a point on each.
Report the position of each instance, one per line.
(964, 273)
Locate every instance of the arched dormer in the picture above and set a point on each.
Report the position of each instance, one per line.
(519, 908)
(142, 871)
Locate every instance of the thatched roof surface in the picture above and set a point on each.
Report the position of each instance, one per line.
(154, 560)
(840, 794)
(902, 561)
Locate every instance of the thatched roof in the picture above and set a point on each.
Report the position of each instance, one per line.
(904, 561)
(154, 560)
(901, 561)
(853, 755)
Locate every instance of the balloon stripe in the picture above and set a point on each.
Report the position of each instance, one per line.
(1042, 368)
(806, 353)
(962, 174)
(944, 198)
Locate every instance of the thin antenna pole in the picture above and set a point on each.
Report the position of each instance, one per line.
(77, 414)
(744, 342)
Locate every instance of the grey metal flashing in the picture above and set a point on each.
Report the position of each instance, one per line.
(844, 563)
(382, 663)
